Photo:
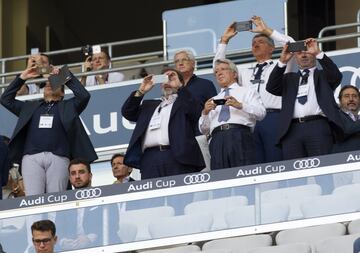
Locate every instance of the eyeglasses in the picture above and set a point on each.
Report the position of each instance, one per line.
(43, 241)
(181, 60)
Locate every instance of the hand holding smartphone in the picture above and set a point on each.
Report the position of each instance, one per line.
(221, 101)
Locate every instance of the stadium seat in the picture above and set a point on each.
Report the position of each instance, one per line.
(245, 215)
(354, 227)
(347, 189)
(343, 244)
(330, 205)
(239, 244)
(310, 235)
(289, 248)
(217, 208)
(292, 196)
(180, 225)
(177, 249)
(142, 217)
(127, 232)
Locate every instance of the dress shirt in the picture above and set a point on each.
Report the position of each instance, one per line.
(311, 107)
(113, 77)
(124, 180)
(252, 109)
(160, 135)
(246, 75)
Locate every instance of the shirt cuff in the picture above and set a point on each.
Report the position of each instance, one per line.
(320, 55)
(281, 65)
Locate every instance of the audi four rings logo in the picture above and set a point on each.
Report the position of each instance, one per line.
(197, 178)
(88, 193)
(307, 163)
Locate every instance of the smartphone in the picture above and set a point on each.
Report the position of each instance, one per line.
(160, 78)
(243, 26)
(219, 101)
(41, 70)
(297, 46)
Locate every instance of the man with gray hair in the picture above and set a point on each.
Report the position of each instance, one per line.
(229, 118)
(256, 78)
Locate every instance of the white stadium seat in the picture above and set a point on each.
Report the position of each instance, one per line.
(177, 249)
(347, 189)
(239, 244)
(217, 208)
(354, 227)
(127, 232)
(289, 248)
(340, 244)
(180, 225)
(245, 216)
(292, 196)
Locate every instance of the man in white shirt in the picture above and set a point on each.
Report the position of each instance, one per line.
(100, 61)
(256, 78)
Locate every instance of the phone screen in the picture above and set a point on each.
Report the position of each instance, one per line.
(296, 46)
(243, 26)
(160, 78)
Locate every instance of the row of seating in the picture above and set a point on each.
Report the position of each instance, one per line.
(277, 205)
(329, 238)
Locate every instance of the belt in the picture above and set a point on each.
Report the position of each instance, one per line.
(307, 118)
(159, 148)
(227, 127)
(272, 110)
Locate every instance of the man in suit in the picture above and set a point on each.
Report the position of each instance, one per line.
(163, 142)
(48, 133)
(309, 114)
(79, 228)
(120, 171)
(349, 98)
(357, 246)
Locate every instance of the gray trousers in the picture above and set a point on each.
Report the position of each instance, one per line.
(44, 172)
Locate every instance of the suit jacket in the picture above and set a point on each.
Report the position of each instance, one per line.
(286, 86)
(183, 118)
(69, 109)
(351, 139)
(357, 245)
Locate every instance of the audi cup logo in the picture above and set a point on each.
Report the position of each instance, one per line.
(88, 193)
(307, 163)
(197, 178)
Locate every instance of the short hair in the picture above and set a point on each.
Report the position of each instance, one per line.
(188, 53)
(80, 161)
(228, 62)
(181, 78)
(44, 225)
(269, 40)
(116, 156)
(47, 56)
(345, 87)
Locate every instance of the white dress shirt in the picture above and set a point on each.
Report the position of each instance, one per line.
(311, 107)
(113, 77)
(246, 75)
(157, 132)
(252, 109)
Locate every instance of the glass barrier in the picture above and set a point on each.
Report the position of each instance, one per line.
(113, 221)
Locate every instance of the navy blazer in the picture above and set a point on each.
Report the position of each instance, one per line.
(286, 86)
(69, 109)
(183, 118)
(351, 135)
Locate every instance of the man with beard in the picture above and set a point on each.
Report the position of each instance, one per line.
(163, 142)
(80, 228)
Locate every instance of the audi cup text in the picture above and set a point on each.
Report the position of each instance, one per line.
(43, 200)
(160, 183)
(353, 158)
(258, 170)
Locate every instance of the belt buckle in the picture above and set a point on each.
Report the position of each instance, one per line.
(225, 127)
(301, 120)
(161, 148)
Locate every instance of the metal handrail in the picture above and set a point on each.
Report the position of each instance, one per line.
(335, 27)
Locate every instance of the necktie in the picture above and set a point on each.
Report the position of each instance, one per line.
(260, 67)
(225, 110)
(304, 79)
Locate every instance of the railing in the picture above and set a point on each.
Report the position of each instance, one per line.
(195, 207)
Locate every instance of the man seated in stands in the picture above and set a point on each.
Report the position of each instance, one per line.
(100, 61)
(80, 228)
(163, 145)
(48, 133)
(44, 236)
(201, 89)
(349, 98)
(42, 62)
(120, 171)
(309, 120)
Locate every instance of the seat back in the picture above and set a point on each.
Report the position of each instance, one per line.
(289, 248)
